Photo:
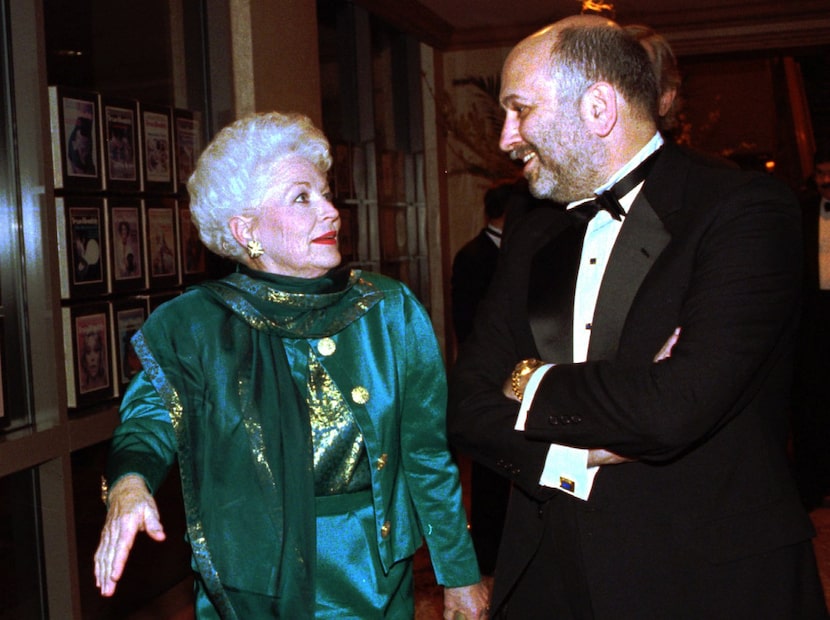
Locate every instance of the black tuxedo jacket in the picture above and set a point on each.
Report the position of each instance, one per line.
(716, 252)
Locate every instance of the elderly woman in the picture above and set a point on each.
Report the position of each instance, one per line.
(305, 405)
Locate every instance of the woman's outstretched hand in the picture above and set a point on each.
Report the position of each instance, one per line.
(132, 509)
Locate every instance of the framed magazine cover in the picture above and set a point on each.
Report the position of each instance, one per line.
(158, 161)
(88, 354)
(187, 134)
(75, 126)
(193, 252)
(82, 246)
(122, 157)
(126, 243)
(162, 243)
(128, 317)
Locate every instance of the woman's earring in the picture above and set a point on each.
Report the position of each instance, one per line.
(255, 249)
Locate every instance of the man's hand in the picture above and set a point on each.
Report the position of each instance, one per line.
(131, 509)
(467, 602)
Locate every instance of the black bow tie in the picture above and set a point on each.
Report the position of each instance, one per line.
(609, 200)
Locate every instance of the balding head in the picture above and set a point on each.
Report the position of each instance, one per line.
(581, 100)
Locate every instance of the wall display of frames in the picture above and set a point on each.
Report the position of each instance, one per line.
(75, 126)
(88, 354)
(124, 245)
(158, 160)
(82, 246)
(122, 156)
(162, 243)
(126, 225)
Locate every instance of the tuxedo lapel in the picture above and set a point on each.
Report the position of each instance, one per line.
(550, 297)
(641, 240)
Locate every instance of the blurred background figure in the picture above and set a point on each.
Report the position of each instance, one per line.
(664, 63)
(474, 264)
(811, 401)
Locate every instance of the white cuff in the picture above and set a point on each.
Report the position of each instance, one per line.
(566, 469)
(530, 392)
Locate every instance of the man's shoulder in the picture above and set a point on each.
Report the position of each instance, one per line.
(475, 247)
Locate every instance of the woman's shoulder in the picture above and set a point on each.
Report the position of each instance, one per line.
(382, 283)
(189, 307)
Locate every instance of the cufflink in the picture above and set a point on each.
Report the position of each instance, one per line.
(567, 485)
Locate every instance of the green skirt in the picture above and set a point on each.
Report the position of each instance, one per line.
(350, 580)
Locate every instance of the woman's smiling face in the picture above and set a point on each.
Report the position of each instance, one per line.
(297, 224)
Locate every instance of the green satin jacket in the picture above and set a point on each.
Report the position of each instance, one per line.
(194, 401)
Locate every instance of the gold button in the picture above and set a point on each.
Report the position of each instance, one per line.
(385, 529)
(326, 347)
(360, 395)
(381, 462)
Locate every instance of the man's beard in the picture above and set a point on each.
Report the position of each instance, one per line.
(568, 159)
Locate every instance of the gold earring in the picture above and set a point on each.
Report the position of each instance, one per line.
(255, 249)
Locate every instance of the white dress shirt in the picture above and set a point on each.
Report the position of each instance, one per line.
(567, 468)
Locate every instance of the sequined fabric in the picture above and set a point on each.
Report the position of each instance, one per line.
(340, 461)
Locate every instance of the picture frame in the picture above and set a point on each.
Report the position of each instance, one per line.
(87, 354)
(82, 247)
(188, 144)
(122, 155)
(129, 315)
(162, 243)
(193, 258)
(157, 156)
(76, 135)
(126, 242)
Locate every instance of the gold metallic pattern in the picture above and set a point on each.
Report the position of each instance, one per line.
(340, 460)
(360, 395)
(381, 462)
(295, 314)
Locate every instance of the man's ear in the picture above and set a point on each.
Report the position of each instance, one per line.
(598, 108)
(242, 229)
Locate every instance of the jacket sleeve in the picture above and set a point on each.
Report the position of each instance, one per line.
(144, 442)
(431, 473)
(481, 418)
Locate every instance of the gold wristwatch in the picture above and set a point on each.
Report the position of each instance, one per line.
(520, 376)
